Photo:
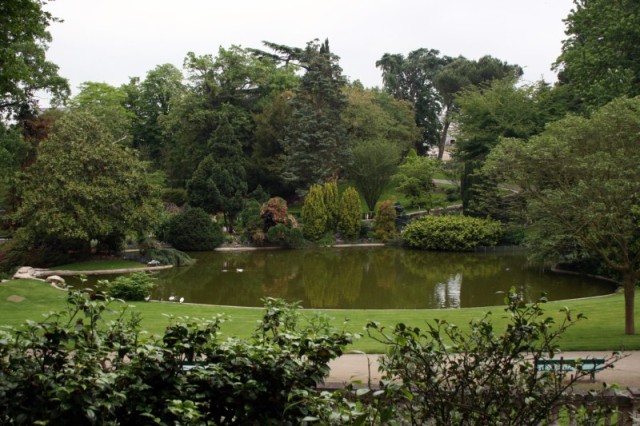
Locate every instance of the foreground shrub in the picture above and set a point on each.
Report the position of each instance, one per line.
(134, 287)
(87, 366)
(193, 230)
(484, 377)
(452, 233)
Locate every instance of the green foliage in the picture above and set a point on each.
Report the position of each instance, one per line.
(374, 163)
(414, 179)
(286, 236)
(24, 37)
(331, 200)
(83, 187)
(581, 183)
(314, 215)
(350, 213)
(193, 230)
(384, 221)
(132, 287)
(169, 256)
(177, 196)
(599, 60)
(89, 365)
(442, 375)
(451, 233)
(315, 141)
(252, 223)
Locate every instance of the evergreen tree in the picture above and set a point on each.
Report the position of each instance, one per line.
(315, 143)
(384, 224)
(331, 204)
(314, 215)
(219, 182)
(350, 212)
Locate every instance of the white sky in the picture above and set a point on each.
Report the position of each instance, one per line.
(112, 40)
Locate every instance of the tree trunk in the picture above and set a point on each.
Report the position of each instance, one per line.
(443, 136)
(629, 282)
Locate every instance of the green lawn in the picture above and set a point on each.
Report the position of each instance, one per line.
(603, 330)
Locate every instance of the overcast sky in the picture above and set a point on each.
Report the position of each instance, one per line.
(112, 40)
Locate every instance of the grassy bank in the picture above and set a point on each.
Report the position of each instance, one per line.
(602, 330)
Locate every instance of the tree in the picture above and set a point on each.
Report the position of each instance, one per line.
(600, 60)
(582, 184)
(315, 142)
(219, 183)
(150, 100)
(411, 79)
(331, 200)
(373, 114)
(314, 215)
(83, 187)
(24, 69)
(414, 179)
(432, 82)
(374, 163)
(384, 221)
(107, 104)
(350, 213)
(484, 115)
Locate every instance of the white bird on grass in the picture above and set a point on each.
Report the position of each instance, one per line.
(172, 298)
(181, 299)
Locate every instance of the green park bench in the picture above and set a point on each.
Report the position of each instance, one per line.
(563, 365)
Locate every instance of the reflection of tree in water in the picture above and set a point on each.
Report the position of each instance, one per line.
(329, 279)
(447, 294)
(383, 267)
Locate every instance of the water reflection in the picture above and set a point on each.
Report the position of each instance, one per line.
(366, 278)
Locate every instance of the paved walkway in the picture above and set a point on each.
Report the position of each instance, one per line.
(363, 368)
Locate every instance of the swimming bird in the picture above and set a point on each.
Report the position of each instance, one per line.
(239, 270)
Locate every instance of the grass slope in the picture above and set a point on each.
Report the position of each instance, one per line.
(603, 329)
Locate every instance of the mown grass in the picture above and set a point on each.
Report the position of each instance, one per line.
(602, 330)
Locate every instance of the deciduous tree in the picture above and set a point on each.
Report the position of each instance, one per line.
(582, 182)
(83, 187)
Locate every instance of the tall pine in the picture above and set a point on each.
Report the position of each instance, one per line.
(315, 141)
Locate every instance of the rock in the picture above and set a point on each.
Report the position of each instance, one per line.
(55, 279)
(25, 272)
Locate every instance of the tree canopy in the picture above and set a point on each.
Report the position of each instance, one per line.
(600, 60)
(83, 187)
(24, 69)
(582, 183)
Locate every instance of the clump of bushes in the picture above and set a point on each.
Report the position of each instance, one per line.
(284, 235)
(193, 230)
(169, 256)
(133, 287)
(451, 233)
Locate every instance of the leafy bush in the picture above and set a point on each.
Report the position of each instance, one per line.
(384, 221)
(453, 233)
(193, 230)
(252, 224)
(314, 215)
(88, 365)
(350, 213)
(133, 287)
(485, 377)
(285, 236)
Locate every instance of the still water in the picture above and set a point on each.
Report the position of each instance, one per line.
(367, 278)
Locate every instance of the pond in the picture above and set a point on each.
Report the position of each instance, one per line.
(367, 278)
